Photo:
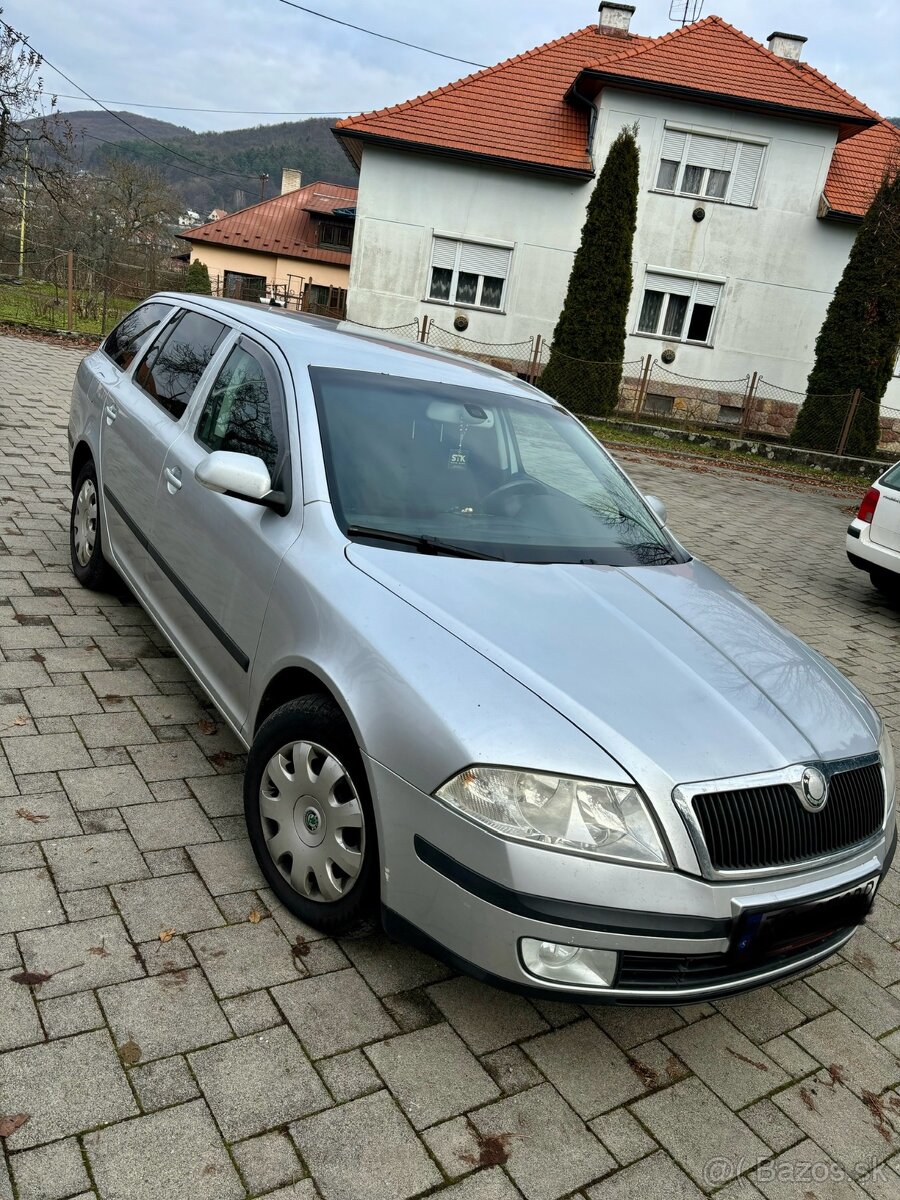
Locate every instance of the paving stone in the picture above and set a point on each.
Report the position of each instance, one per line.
(50, 1172)
(66, 1015)
(80, 955)
(171, 710)
(49, 817)
(162, 826)
(389, 967)
(243, 958)
(227, 867)
(178, 902)
(28, 900)
(22, 675)
(511, 1070)
(237, 908)
(19, 1025)
(259, 1081)
(873, 956)
(94, 859)
(790, 1057)
(630, 1027)
(587, 1068)
(622, 1136)
(304, 1190)
(325, 955)
(9, 954)
(365, 1150)
(727, 1062)
(251, 1013)
(72, 660)
(105, 787)
(333, 1012)
(49, 1083)
(760, 1015)
(770, 1123)
(131, 682)
(801, 995)
(114, 729)
(712, 1126)
(164, 1082)
(22, 856)
(551, 1153)
(219, 795)
(803, 1172)
(166, 957)
(168, 862)
(348, 1076)
(165, 1014)
(655, 1178)
(485, 1018)
(171, 760)
(45, 752)
(432, 1074)
(862, 1062)
(267, 1162)
(864, 1002)
(839, 1122)
(169, 1155)
(64, 701)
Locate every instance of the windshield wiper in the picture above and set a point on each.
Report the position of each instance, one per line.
(423, 542)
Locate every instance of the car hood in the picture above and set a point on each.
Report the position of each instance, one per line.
(669, 669)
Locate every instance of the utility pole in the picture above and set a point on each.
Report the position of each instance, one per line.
(263, 180)
(22, 221)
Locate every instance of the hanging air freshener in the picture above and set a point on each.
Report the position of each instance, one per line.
(457, 457)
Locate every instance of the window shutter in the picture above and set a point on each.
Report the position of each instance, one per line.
(443, 253)
(484, 260)
(668, 283)
(711, 152)
(745, 176)
(708, 293)
(673, 144)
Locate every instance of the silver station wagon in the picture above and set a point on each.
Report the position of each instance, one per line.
(489, 700)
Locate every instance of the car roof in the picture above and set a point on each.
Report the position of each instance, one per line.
(308, 340)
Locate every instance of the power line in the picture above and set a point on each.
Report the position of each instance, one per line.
(384, 36)
(109, 111)
(240, 112)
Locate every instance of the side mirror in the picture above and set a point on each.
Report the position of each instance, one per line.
(658, 509)
(243, 476)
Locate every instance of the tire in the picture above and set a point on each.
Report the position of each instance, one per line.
(885, 582)
(319, 853)
(85, 535)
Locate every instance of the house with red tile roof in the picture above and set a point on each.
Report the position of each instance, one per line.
(756, 171)
(295, 247)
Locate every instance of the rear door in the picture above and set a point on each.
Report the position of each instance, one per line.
(144, 413)
(885, 528)
(220, 553)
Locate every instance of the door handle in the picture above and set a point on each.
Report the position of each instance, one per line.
(173, 479)
(111, 413)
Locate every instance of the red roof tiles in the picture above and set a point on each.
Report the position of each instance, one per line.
(858, 166)
(282, 225)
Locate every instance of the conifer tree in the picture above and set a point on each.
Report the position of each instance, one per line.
(197, 280)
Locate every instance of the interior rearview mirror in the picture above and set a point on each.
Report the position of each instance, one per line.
(658, 509)
(243, 476)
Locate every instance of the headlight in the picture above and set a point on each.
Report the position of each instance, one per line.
(605, 820)
(886, 750)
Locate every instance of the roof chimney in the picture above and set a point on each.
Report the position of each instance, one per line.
(786, 45)
(291, 180)
(615, 19)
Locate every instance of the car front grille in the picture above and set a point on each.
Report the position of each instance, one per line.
(758, 827)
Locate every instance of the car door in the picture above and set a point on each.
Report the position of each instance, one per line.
(143, 414)
(216, 556)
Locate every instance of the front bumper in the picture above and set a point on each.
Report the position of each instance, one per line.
(469, 897)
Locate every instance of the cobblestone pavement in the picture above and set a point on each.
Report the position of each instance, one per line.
(182, 1037)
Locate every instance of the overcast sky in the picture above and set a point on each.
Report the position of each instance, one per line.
(260, 54)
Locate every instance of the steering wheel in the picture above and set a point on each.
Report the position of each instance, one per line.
(494, 501)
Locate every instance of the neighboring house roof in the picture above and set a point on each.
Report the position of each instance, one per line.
(283, 225)
(218, 213)
(526, 111)
(325, 201)
(857, 168)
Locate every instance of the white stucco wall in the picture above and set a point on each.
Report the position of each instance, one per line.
(778, 261)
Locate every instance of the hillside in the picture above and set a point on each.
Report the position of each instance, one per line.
(231, 162)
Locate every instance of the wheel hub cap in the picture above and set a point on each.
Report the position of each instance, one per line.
(312, 821)
(84, 522)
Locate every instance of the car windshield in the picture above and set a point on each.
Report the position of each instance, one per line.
(425, 466)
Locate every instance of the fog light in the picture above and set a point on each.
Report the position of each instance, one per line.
(561, 963)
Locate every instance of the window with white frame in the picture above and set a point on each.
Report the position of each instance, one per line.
(678, 308)
(468, 273)
(713, 168)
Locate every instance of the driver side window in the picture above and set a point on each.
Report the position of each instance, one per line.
(238, 413)
(547, 457)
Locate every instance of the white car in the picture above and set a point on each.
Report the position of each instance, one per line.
(873, 539)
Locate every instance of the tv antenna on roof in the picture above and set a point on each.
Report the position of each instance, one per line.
(684, 12)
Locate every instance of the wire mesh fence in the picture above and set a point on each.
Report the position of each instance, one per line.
(515, 357)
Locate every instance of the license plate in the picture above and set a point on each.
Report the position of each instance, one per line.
(775, 932)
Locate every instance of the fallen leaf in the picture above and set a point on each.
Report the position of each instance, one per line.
(493, 1150)
(34, 818)
(647, 1075)
(32, 978)
(254, 917)
(112, 698)
(166, 935)
(130, 1053)
(99, 951)
(38, 657)
(751, 1062)
(807, 1097)
(300, 948)
(9, 1125)
(206, 727)
(20, 721)
(221, 758)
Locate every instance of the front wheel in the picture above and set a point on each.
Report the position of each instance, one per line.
(310, 818)
(85, 538)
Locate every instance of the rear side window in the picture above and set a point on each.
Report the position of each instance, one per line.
(243, 409)
(133, 332)
(891, 478)
(175, 362)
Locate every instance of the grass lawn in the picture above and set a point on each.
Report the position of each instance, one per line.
(44, 306)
